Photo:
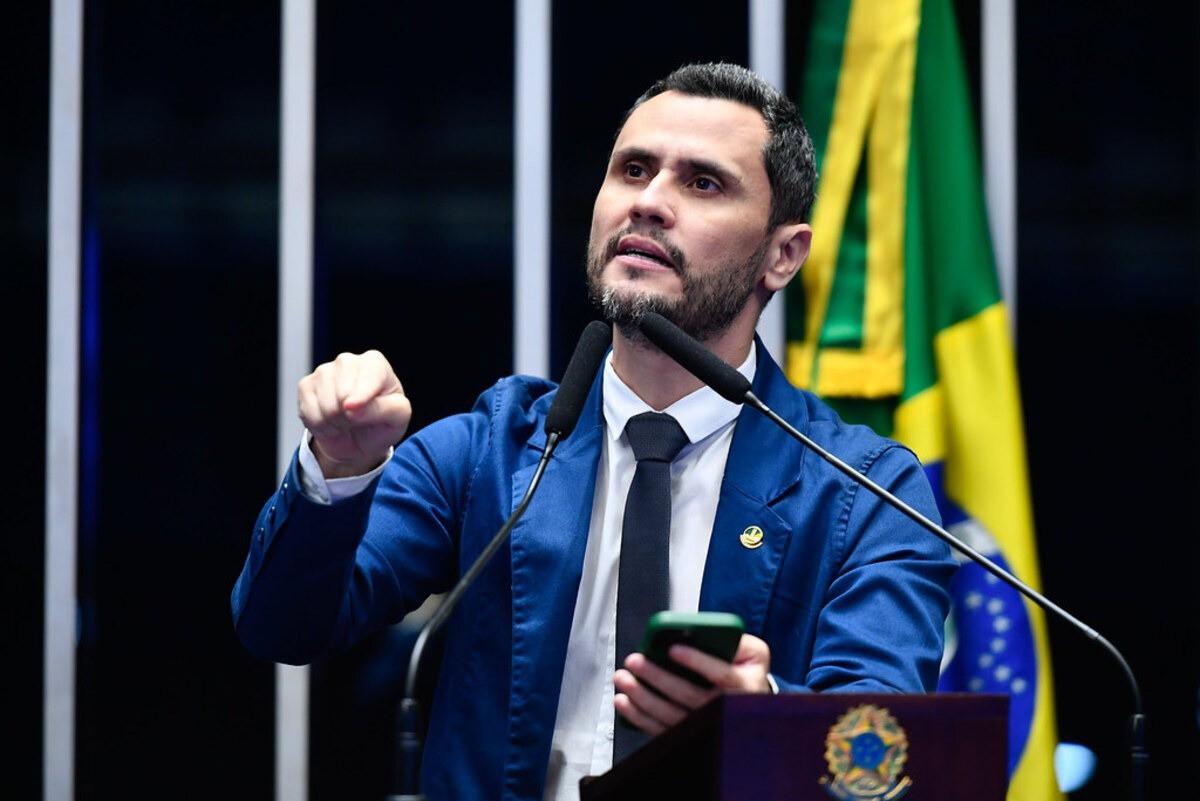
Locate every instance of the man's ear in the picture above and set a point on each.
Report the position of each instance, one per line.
(789, 249)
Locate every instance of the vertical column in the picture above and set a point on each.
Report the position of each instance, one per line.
(62, 396)
(767, 59)
(295, 338)
(998, 56)
(531, 190)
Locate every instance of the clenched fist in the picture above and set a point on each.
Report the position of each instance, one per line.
(356, 409)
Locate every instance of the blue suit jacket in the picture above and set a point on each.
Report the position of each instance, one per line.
(849, 594)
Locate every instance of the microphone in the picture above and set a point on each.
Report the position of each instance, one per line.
(560, 422)
(695, 358)
(577, 379)
(733, 386)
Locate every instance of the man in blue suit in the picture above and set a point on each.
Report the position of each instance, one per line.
(700, 217)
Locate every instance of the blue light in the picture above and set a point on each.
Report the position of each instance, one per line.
(1074, 765)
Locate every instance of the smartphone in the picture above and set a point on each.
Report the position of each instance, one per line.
(715, 633)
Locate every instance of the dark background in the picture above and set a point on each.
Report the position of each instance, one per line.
(414, 256)
(1107, 346)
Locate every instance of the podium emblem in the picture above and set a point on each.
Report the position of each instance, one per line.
(866, 750)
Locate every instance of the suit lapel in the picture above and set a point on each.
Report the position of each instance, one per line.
(763, 464)
(547, 561)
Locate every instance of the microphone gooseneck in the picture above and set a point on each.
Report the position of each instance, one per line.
(560, 422)
(733, 386)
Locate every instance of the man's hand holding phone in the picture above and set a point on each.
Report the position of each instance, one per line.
(654, 697)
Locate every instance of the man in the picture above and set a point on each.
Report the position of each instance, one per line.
(700, 217)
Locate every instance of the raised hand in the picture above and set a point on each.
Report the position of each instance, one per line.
(356, 409)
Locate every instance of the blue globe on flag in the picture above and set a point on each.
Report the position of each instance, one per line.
(989, 638)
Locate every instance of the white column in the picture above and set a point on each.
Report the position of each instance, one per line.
(767, 59)
(295, 338)
(531, 189)
(62, 398)
(998, 55)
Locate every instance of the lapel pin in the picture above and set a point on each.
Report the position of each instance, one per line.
(752, 537)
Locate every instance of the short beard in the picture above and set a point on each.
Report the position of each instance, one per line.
(709, 304)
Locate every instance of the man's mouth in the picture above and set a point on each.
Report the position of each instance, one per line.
(647, 251)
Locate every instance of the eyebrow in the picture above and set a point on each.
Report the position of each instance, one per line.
(694, 165)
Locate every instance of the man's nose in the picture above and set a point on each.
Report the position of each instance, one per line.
(655, 203)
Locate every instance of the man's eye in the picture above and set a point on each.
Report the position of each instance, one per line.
(706, 184)
(634, 170)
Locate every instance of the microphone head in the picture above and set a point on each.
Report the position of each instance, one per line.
(694, 357)
(577, 380)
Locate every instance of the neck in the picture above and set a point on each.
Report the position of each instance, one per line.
(658, 380)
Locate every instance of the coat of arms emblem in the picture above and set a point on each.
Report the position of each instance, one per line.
(866, 750)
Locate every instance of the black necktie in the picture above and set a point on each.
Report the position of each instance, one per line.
(643, 581)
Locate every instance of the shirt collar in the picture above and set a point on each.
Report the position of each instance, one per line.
(699, 414)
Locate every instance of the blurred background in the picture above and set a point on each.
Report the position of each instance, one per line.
(413, 254)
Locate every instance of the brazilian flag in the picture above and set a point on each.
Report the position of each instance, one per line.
(897, 321)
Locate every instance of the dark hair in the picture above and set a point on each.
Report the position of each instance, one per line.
(788, 155)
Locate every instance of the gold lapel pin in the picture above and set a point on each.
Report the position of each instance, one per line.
(752, 537)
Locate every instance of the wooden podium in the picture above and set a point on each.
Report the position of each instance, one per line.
(942, 747)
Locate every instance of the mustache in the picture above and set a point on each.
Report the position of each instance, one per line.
(678, 260)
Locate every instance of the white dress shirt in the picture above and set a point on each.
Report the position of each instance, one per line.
(582, 744)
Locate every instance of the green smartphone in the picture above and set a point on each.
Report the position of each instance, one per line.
(715, 633)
